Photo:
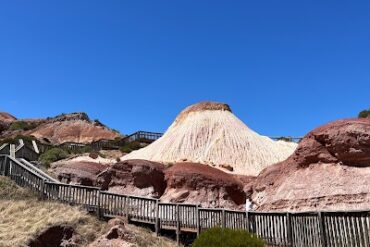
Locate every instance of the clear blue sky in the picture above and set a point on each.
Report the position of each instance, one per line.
(285, 67)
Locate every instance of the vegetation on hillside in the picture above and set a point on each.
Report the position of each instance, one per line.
(53, 155)
(22, 125)
(130, 146)
(219, 237)
(364, 114)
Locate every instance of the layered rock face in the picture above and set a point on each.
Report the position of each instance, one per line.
(6, 117)
(209, 133)
(330, 170)
(204, 185)
(78, 172)
(74, 127)
(5, 120)
(134, 177)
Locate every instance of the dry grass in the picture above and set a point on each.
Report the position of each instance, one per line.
(146, 238)
(22, 216)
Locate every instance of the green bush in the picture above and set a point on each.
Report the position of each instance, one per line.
(52, 155)
(131, 146)
(364, 114)
(219, 237)
(22, 125)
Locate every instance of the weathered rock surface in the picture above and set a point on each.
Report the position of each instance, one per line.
(209, 133)
(74, 127)
(77, 172)
(204, 185)
(117, 235)
(330, 170)
(135, 177)
(55, 236)
(6, 117)
(5, 120)
(121, 234)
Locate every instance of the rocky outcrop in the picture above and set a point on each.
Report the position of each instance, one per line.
(55, 236)
(6, 117)
(135, 177)
(330, 170)
(5, 120)
(204, 185)
(77, 172)
(73, 127)
(209, 133)
(116, 236)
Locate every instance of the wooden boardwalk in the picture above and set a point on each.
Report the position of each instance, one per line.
(308, 229)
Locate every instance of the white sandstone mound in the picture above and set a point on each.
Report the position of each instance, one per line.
(211, 134)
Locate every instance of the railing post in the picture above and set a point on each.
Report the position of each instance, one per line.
(223, 219)
(98, 205)
(198, 220)
(127, 208)
(177, 224)
(247, 219)
(289, 229)
(42, 189)
(322, 229)
(157, 226)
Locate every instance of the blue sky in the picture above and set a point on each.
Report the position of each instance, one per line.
(285, 67)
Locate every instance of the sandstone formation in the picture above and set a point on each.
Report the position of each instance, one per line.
(134, 177)
(77, 172)
(74, 127)
(6, 117)
(121, 234)
(204, 185)
(330, 170)
(209, 133)
(5, 120)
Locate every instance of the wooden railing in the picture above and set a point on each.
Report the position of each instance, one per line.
(308, 229)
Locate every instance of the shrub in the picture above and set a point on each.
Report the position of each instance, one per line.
(52, 155)
(364, 114)
(219, 237)
(22, 125)
(131, 146)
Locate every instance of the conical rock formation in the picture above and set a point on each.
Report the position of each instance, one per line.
(209, 133)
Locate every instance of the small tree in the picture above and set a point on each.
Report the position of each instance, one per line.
(220, 237)
(52, 155)
(364, 114)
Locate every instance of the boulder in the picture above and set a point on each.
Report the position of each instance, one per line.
(134, 177)
(330, 170)
(116, 236)
(77, 172)
(201, 184)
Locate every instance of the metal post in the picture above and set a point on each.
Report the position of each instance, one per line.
(322, 229)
